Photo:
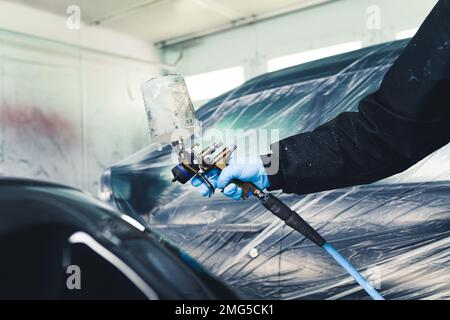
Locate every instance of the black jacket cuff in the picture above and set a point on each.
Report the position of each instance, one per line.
(275, 180)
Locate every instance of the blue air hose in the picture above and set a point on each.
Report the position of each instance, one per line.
(293, 220)
(352, 271)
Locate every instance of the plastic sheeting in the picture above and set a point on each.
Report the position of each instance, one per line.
(397, 232)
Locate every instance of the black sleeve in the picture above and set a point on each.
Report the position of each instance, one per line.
(407, 119)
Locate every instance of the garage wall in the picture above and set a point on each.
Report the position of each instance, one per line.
(68, 112)
(325, 25)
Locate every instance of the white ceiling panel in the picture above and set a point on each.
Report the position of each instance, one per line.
(257, 7)
(159, 20)
(90, 9)
(168, 19)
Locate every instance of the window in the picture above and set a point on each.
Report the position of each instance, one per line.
(405, 34)
(212, 84)
(302, 57)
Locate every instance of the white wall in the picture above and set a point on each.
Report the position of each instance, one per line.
(70, 102)
(321, 26)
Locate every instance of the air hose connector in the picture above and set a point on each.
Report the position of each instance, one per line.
(291, 218)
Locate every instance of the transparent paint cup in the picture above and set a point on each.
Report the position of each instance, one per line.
(169, 109)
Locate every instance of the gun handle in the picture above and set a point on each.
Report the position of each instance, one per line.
(248, 188)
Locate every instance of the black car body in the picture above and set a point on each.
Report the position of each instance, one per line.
(49, 232)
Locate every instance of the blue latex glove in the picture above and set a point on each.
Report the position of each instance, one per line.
(212, 177)
(243, 169)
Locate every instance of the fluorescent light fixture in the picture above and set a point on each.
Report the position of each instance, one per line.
(307, 56)
(212, 84)
(405, 34)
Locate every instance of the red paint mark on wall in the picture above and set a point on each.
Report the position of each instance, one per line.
(38, 123)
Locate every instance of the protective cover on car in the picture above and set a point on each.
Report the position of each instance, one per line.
(396, 232)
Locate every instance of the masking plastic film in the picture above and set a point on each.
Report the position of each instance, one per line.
(396, 232)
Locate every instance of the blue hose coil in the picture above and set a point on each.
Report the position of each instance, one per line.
(352, 271)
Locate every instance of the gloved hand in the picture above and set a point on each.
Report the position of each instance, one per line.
(212, 177)
(248, 169)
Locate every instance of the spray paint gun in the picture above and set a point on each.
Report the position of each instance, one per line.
(195, 162)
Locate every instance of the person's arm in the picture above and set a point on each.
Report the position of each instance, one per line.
(407, 119)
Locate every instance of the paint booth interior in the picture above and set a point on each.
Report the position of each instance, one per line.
(72, 113)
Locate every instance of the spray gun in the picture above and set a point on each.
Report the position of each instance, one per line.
(193, 162)
(196, 162)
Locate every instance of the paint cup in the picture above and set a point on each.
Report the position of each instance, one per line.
(169, 109)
